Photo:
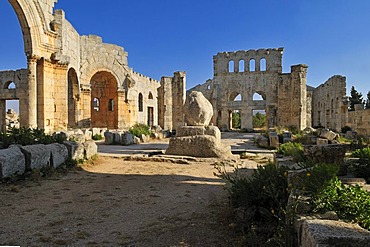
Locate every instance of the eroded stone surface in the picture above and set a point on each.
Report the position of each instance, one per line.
(197, 109)
(59, 154)
(12, 161)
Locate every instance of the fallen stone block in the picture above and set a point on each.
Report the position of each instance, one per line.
(322, 141)
(127, 138)
(328, 134)
(88, 135)
(91, 149)
(37, 156)
(75, 150)
(109, 138)
(59, 154)
(117, 137)
(12, 161)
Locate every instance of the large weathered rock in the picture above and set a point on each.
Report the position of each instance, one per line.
(331, 153)
(109, 138)
(127, 138)
(262, 141)
(91, 149)
(198, 146)
(75, 150)
(328, 134)
(37, 156)
(12, 161)
(59, 154)
(197, 109)
(117, 137)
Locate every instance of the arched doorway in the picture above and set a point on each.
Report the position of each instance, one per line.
(104, 91)
(73, 96)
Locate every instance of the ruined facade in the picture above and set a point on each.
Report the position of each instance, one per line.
(239, 76)
(72, 80)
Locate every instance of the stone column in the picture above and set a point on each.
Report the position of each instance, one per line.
(3, 115)
(32, 92)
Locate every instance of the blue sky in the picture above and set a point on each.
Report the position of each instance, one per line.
(331, 37)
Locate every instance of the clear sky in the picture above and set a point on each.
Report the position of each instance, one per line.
(330, 36)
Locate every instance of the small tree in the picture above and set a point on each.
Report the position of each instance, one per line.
(367, 105)
(356, 98)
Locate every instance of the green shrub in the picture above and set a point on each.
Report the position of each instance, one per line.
(293, 149)
(97, 137)
(140, 129)
(351, 203)
(263, 198)
(315, 178)
(259, 120)
(28, 136)
(362, 166)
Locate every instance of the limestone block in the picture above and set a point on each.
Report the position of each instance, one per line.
(81, 138)
(198, 146)
(144, 138)
(262, 141)
(75, 150)
(322, 141)
(328, 134)
(274, 139)
(117, 137)
(213, 131)
(331, 153)
(190, 131)
(88, 135)
(59, 154)
(109, 138)
(137, 140)
(197, 109)
(78, 132)
(37, 156)
(91, 149)
(12, 161)
(127, 138)
(323, 232)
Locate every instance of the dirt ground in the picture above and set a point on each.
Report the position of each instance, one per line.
(118, 203)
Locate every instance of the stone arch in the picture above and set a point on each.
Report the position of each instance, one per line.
(241, 65)
(73, 97)
(32, 22)
(231, 66)
(10, 85)
(235, 96)
(104, 88)
(150, 96)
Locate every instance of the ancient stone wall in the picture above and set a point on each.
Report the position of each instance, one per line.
(359, 120)
(240, 76)
(329, 108)
(77, 81)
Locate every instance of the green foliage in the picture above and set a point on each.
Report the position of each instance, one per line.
(140, 129)
(315, 178)
(28, 136)
(351, 203)
(263, 198)
(355, 98)
(97, 137)
(362, 166)
(236, 122)
(293, 149)
(259, 120)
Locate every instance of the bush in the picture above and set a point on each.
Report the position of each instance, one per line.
(362, 166)
(28, 136)
(351, 203)
(97, 137)
(293, 149)
(140, 129)
(262, 198)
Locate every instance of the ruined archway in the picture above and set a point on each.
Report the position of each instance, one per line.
(73, 97)
(104, 89)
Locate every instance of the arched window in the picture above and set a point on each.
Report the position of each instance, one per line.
(235, 96)
(10, 85)
(111, 105)
(241, 65)
(150, 96)
(208, 87)
(96, 104)
(141, 108)
(263, 64)
(252, 65)
(231, 66)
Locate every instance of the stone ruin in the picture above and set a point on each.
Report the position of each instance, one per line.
(197, 138)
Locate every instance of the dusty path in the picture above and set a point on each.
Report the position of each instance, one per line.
(118, 203)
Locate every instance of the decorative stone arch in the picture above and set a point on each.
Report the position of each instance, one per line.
(87, 76)
(10, 85)
(104, 86)
(33, 25)
(234, 96)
